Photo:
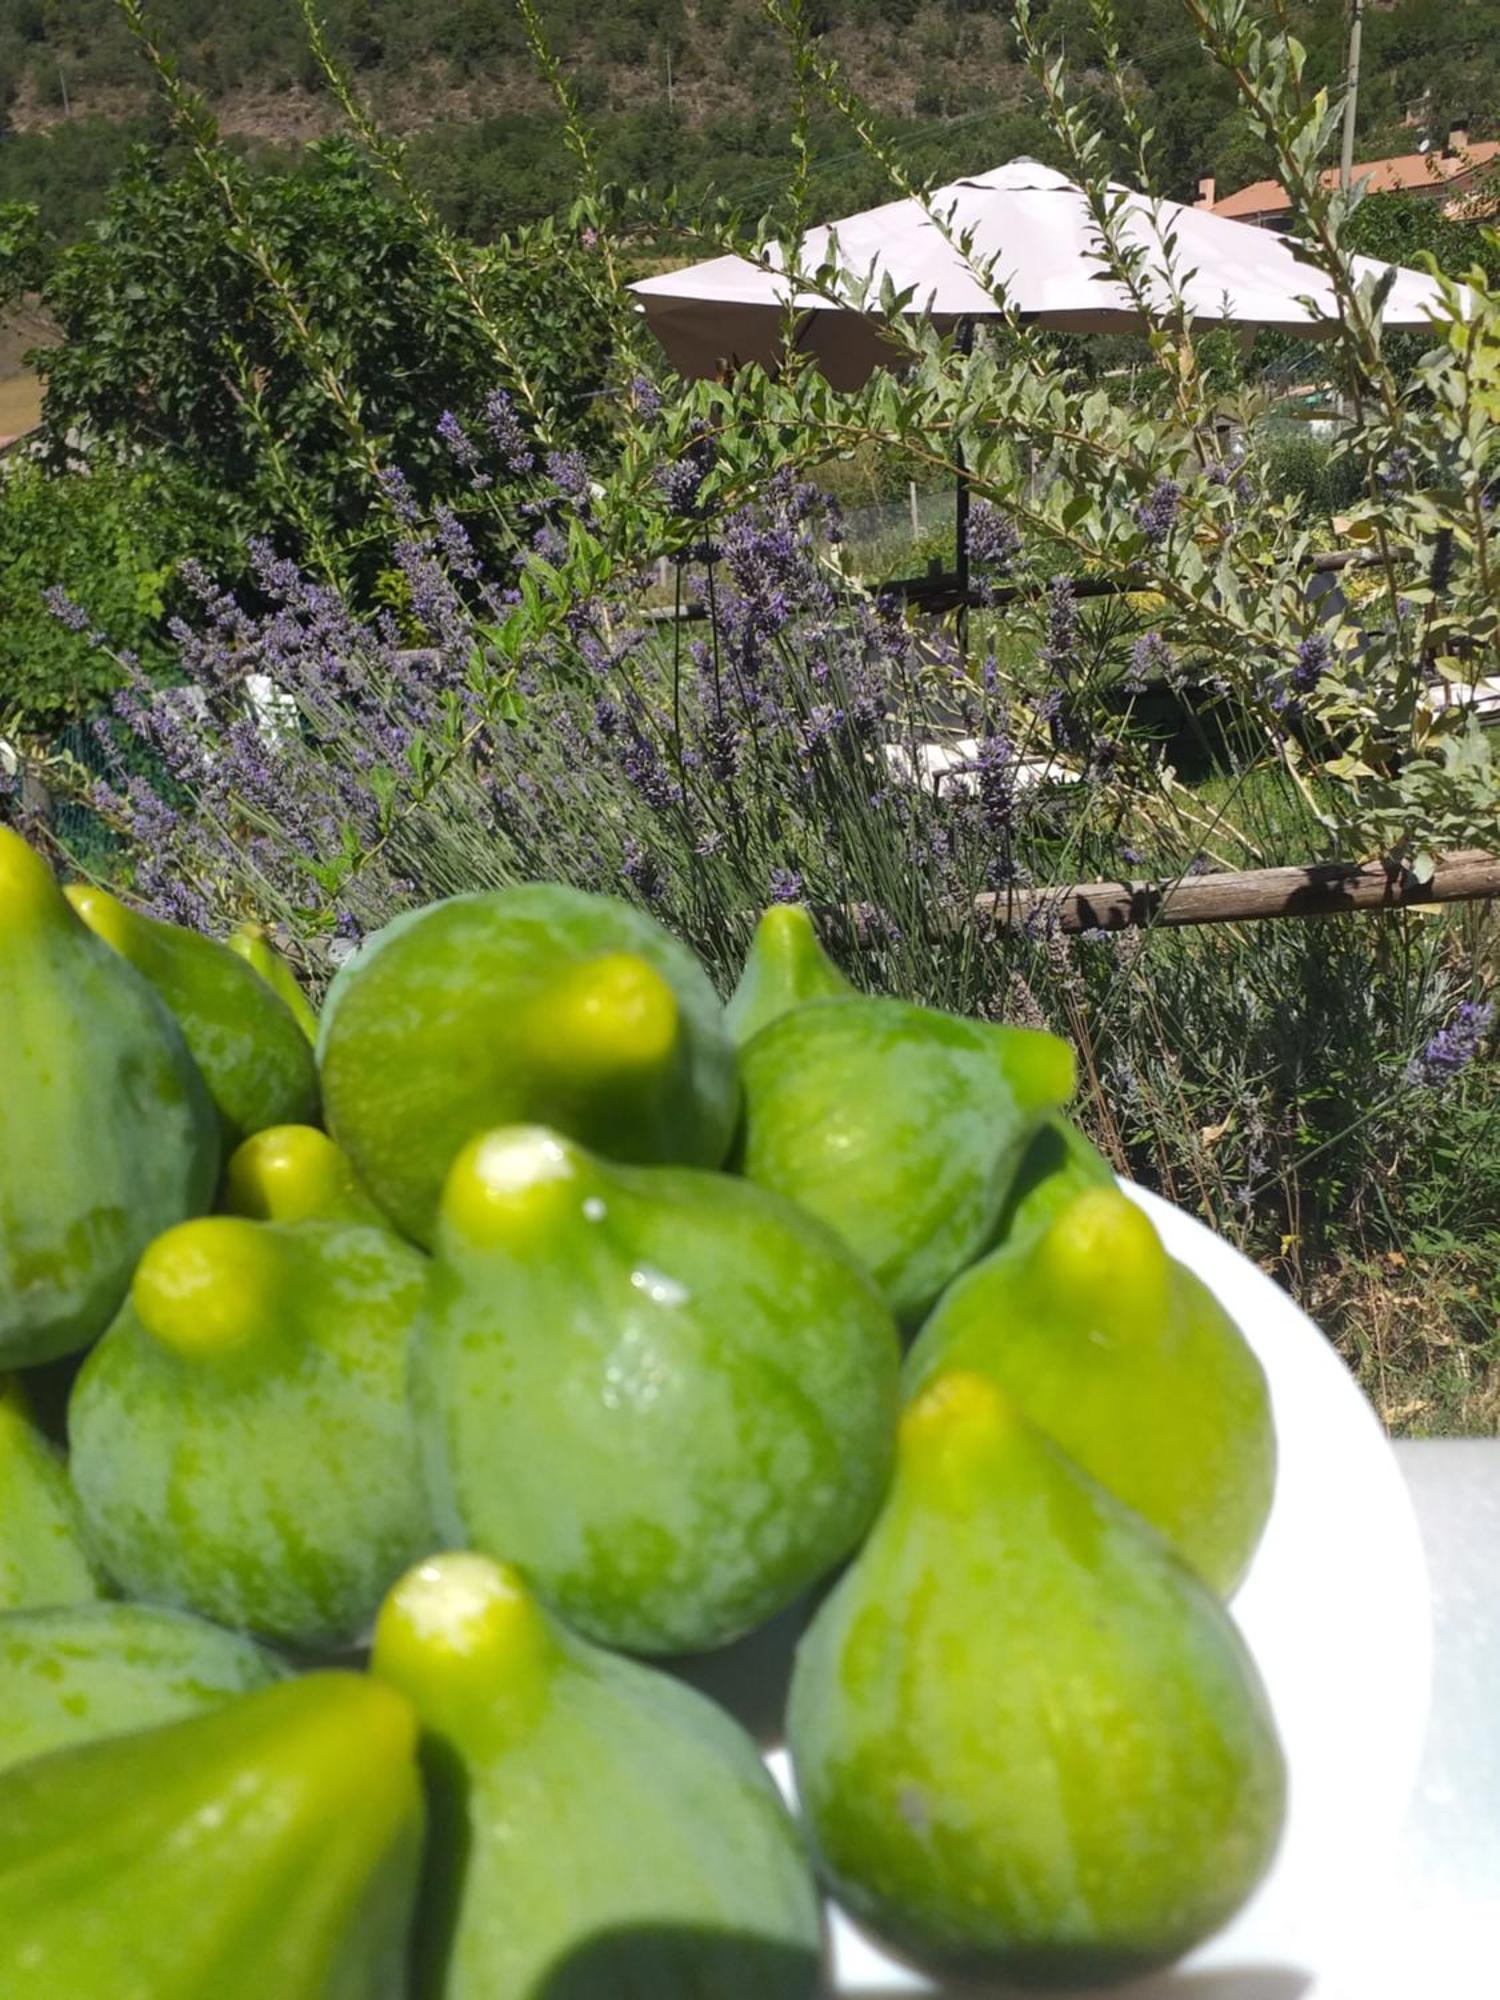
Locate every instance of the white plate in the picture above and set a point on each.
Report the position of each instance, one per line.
(1335, 1610)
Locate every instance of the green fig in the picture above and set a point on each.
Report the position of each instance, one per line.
(43, 1559)
(252, 943)
(599, 1831)
(784, 966)
(107, 1134)
(667, 1395)
(75, 1673)
(1059, 1164)
(899, 1127)
(240, 1437)
(255, 1059)
(267, 1850)
(535, 1003)
(1130, 1364)
(295, 1173)
(1028, 1742)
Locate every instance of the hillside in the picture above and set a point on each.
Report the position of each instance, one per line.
(691, 92)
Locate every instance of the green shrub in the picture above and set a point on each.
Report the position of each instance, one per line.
(112, 539)
(1302, 467)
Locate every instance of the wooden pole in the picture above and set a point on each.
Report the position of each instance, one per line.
(1351, 99)
(961, 511)
(1324, 889)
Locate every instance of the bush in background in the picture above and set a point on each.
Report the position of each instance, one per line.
(111, 538)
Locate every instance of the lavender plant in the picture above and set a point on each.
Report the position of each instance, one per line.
(324, 766)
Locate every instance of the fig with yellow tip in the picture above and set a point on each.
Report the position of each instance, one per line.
(252, 943)
(267, 1850)
(1058, 1165)
(785, 966)
(241, 1442)
(598, 1830)
(107, 1133)
(43, 1557)
(900, 1127)
(536, 1003)
(1029, 1743)
(255, 1059)
(1129, 1362)
(75, 1673)
(294, 1173)
(668, 1395)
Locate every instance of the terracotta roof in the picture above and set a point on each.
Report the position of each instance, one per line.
(1259, 198)
(1403, 174)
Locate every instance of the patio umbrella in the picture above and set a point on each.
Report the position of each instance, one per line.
(1032, 226)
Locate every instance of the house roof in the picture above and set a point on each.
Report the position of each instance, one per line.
(1406, 173)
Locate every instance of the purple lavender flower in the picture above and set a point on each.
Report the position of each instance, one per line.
(551, 544)
(397, 489)
(785, 886)
(1285, 688)
(66, 610)
(1061, 639)
(1156, 516)
(995, 783)
(821, 721)
(569, 472)
(1451, 1050)
(646, 397)
(1314, 657)
(641, 870)
(458, 441)
(994, 540)
(681, 481)
(453, 540)
(1398, 469)
(1151, 658)
(645, 771)
(508, 433)
(723, 744)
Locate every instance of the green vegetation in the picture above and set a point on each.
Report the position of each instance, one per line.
(111, 537)
(943, 75)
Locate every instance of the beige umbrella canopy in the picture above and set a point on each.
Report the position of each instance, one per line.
(1032, 228)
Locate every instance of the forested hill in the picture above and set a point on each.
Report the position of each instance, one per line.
(695, 92)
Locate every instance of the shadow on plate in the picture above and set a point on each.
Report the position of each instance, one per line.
(750, 1678)
(1221, 1983)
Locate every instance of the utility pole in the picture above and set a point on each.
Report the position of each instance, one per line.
(1351, 98)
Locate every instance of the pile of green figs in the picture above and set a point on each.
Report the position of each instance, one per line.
(437, 1374)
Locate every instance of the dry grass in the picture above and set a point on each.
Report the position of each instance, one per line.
(20, 404)
(1422, 1335)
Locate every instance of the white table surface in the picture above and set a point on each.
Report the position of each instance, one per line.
(1444, 1933)
(1440, 1936)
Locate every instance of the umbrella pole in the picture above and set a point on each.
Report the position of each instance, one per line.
(965, 342)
